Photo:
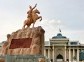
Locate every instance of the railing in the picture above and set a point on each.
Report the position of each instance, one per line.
(24, 58)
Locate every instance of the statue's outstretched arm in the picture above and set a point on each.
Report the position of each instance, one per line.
(34, 6)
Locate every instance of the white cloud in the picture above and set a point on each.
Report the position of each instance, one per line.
(50, 27)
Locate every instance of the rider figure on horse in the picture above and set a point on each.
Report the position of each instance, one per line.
(32, 16)
(30, 11)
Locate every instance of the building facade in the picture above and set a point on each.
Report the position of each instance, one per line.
(60, 49)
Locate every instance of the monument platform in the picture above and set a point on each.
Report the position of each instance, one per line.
(25, 41)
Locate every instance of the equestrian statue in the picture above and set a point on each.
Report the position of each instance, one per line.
(32, 16)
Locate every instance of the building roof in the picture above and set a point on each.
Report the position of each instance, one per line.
(59, 35)
(73, 43)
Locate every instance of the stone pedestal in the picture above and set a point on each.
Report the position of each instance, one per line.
(36, 46)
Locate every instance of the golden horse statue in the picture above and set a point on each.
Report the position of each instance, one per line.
(34, 17)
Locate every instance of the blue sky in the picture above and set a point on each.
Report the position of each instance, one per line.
(70, 13)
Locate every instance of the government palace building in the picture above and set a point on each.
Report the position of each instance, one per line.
(60, 49)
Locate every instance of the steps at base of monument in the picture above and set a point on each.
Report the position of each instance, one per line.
(24, 58)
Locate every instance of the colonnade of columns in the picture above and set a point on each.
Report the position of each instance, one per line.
(47, 54)
(50, 54)
(73, 56)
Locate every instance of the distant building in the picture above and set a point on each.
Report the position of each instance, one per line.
(60, 49)
(1, 44)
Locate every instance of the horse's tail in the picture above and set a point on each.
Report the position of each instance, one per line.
(41, 18)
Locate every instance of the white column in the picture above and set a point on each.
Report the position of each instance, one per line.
(65, 53)
(53, 53)
(77, 54)
(69, 55)
(49, 53)
(44, 52)
(73, 54)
